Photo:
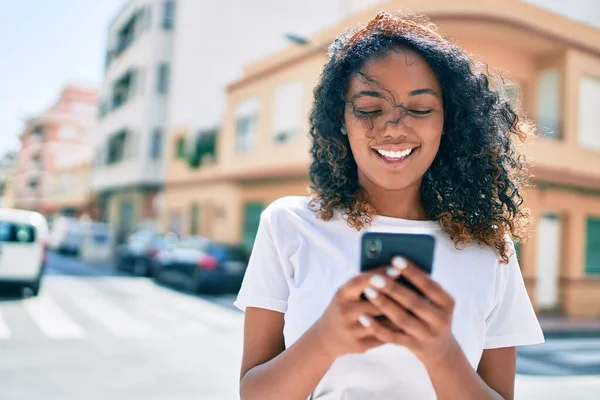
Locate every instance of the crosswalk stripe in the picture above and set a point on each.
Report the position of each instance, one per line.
(113, 318)
(4, 330)
(51, 319)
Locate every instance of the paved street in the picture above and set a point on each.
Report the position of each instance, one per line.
(93, 334)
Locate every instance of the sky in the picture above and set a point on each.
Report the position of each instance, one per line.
(45, 45)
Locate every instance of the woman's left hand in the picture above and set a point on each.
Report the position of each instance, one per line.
(422, 324)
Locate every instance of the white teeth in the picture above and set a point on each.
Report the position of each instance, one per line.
(395, 154)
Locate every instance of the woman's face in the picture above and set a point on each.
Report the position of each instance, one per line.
(394, 119)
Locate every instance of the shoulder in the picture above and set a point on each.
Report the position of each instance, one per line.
(289, 207)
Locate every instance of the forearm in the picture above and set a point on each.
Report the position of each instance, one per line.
(454, 378)
(293, 374)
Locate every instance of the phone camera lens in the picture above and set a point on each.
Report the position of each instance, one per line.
(373, 248)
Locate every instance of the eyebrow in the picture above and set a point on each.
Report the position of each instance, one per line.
(372, 93)
(424, 91)
(369, 93)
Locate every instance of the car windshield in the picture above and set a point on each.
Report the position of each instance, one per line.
(227, 251)
(195, 243)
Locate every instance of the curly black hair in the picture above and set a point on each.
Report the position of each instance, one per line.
(473, 187)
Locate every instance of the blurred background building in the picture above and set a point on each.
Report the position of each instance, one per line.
(51, 142)
(128, 170)
(167, 66)
(551, 66)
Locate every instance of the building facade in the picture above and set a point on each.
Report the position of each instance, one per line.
(214, 42)
(48, 142)
(551, 66)
(7, 164)
(128, 172)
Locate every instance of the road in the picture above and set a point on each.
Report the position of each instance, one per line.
(94, 334)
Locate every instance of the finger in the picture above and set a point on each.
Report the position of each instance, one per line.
(384, 334)
(432, 315)
(352, 289)
(422, 281)
(396, 313)
(360, 307)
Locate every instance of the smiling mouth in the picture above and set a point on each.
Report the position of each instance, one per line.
(394, 157)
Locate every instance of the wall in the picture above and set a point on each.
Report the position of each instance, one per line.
(247, 31)
(579, 294)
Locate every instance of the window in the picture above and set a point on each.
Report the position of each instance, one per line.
(36, 160)
(11, 232)
(156, 144)
(122, 89)
(38, 132)
(195, 219)
(589, 116)
(168, 14)
(163, 78)
(511, 92)
(287, 114)
(592, 247)
(246, 116)
(116, 147)
(252, 211)
(548, 106)
(148, 16)
(180, 148)
(33, 184)
(126, 35)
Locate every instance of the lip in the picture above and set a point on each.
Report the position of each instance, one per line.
(395, 147)
(395, 163)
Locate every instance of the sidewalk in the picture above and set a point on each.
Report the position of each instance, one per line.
(562, 324)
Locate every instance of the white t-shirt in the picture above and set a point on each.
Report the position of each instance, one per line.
(298, 263)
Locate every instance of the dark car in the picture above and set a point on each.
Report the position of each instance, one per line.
(200, 265)
(136, 255)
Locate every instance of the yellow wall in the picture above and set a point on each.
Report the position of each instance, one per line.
(517, 39)
(579, 294)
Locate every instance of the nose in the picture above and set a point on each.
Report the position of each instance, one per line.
(396, 125)
(397, 128)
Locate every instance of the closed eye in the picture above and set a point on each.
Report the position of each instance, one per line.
(420, 112)
(369, 113)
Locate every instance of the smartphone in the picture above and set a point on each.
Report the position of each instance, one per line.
(378, 249)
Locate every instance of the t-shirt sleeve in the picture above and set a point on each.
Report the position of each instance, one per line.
(512, 321)
(265, 282)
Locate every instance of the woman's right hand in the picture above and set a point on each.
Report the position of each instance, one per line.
(339, 328)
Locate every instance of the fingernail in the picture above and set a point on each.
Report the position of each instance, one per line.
(378, 281)
(364, 320)
(370, 292)
(399, 262)
(392, 272)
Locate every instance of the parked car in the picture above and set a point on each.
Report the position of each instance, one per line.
(201, 265)
(23, 243)
(65, 236)
(137, 253)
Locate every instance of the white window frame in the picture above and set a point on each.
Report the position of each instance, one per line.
(246, 112)
(287, 115)
(589, 112)
(548, 114)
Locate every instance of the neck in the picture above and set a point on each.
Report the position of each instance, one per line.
(402, 203)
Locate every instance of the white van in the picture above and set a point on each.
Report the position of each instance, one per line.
(23, 240)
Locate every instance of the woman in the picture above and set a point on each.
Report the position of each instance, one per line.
(407, 137)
